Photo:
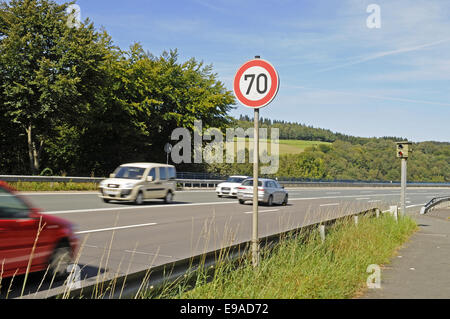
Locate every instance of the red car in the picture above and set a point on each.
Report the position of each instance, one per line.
(28, 237)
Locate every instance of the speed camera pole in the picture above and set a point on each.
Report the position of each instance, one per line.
(403, 150)
(255, 239)
(255, 85)
(403, 183)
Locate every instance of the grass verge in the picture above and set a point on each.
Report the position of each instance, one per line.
(52, 186)
(304, 266)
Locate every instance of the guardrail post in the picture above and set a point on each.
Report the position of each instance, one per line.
(322, 232)
(355, 218)
(394, 212)
(377, 213)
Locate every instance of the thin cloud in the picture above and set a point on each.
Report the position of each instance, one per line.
(379, 97)
(384, 54)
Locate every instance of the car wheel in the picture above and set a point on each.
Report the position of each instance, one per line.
(59, 262)
(241, 201)
(220, 196)
(169, 197)
(270, 201)
(285, 201)
(139, 199)
(106, 200)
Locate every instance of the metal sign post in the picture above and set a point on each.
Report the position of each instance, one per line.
(256, 84)
(255, 239)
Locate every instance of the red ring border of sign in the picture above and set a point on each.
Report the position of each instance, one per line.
(273, 90)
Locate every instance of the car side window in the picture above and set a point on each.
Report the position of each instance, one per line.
(12, 207)
(172, 173)
(152, 173)
(269, 184)
(163, 173)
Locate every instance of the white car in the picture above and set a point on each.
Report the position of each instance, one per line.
(137, 182)
(230, 187)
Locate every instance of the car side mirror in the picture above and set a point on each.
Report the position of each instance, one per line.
(112, 175)
(150, 179)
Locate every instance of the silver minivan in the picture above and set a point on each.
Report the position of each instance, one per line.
(269, 192)
(137, 182)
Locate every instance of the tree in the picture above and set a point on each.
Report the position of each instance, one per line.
(50, 71)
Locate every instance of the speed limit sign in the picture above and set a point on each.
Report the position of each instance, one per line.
(256, 83)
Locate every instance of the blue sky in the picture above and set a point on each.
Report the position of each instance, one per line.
(335, 72)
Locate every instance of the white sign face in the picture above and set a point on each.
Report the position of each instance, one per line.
(256, 83)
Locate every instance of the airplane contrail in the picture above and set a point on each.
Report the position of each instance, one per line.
(380, 97)
(384, 54)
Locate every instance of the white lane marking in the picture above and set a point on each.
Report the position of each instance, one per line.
(333, 193)
(374, 201)
(264, 211)
(333, 204)
(132, 208)
(150, 254)
(363, 198)
(113, 228)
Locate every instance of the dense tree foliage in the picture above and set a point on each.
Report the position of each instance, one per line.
(73, 102)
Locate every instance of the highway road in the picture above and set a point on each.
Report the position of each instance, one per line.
(119, 238)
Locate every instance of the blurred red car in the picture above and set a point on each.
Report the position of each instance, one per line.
(24, 229)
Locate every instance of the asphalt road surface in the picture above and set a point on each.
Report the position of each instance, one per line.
(119, 238)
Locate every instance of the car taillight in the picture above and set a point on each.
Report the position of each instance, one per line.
(261, 189)
(241, 188)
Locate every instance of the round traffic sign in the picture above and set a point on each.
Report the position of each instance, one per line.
(256, 83)
(168, 148)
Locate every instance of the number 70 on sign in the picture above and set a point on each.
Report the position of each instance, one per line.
(256, 83)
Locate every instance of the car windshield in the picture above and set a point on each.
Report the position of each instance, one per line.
(235, 180)
(249, 182)
(128, 172)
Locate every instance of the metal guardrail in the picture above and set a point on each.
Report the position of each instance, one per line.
(60, 179)
(209, 182)
(200, 182)
(172, 272)
(50, 179)
(432, 203)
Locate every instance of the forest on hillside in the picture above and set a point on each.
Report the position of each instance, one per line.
(349, 157)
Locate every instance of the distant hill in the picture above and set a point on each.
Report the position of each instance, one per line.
(348, 157)
(297, 131)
